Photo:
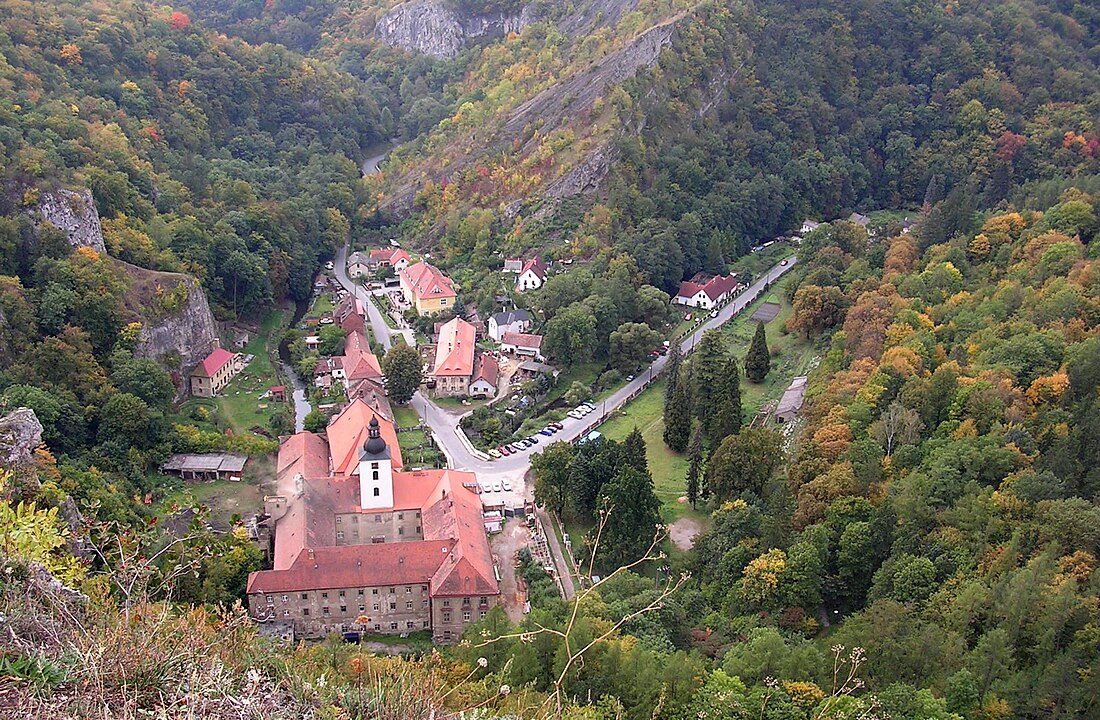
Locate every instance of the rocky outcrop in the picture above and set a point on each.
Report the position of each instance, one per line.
(436, 28)
(74, 213)
(588, 15)
(179, 341)
(20, 434)
(550, 106)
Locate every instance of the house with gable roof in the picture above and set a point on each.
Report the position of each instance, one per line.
(708, 294)
(454, 358)
(361, 545)
(426, 288)
(532, 276)
(215, 371)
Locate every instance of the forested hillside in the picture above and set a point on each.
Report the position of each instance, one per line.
(923, 543)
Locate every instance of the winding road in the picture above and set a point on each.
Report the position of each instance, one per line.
(513, 468)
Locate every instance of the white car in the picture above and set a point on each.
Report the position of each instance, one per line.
(506, 485)
(496, 487)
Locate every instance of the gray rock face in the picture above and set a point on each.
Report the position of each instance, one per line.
(435, 28)
(192, 334)
(74, 213)
(20, 434)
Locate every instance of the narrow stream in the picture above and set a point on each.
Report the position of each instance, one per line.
(301, 403)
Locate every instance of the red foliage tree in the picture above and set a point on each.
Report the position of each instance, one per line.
(179, 20)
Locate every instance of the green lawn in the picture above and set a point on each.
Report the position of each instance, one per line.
(791, 354)
(667, 467)
(405, 416)
(239, 404)
(791, 357)
(322, 305)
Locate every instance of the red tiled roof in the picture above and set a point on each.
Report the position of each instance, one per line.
(213, 362)
(487, 369)
(427, 282)
(359, 362)
(347, 433)
(535, 265)
(714, 288)
(347, 566)
(389, 255)
(454, 353)
(523, 340)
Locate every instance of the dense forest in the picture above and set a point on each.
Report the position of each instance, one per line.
(923, 544)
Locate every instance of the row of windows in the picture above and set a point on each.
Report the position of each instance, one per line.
(355, 533)
(465, 616)
(377, 518)
(270, 599)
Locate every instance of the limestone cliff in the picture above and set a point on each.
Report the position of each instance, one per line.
(74, 213)
(20, 434)
(435, 28)
(179, 337)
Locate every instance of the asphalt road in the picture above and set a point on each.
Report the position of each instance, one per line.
(378, 326)
(513, 468)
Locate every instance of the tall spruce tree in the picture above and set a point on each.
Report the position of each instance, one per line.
(758, 361)
(707, 365)
(672, 372)
(632, 451)
(695, 468)
(678, 417)
(725, 419)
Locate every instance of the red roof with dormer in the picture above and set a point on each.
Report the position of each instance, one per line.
(714, 288)
(427, 282)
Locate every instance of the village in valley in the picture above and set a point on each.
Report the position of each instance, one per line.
(409, 515)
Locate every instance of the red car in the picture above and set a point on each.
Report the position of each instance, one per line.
(503, 450)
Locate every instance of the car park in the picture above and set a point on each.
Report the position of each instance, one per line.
(546, 431)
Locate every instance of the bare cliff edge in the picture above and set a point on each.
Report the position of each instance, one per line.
(177, 327)
(435, 28)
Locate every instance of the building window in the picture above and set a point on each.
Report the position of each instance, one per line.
(305, 612)
(284, 598)
(360, 593)
(324, 596)
(417, 514)
(377, 627)
(324, 611)
(339, 534)
(354, 519)
(482, 614)
(393, 606)
(400, 531)
(400, 516)
(305, 596)
(269, 600)
(376, 607)
(408, 604)
(410, 624)
(417, 529)
(466, 616)
(484, 600)
(341, 593)
(393, 591)
(374, 591)
(466, 601)
(408, 590)
(425, 623)
(423, 588)
(425, 603)
(344, 609)
(393, 626)
(446, 603)
(446, 617)
(375, 476)
(362, 608)
(378, 518)
(446, 634)
(339, 519)
(376, 493)
(374, 466)
(286, 613)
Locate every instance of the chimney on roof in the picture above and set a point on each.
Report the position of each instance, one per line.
(401, 561)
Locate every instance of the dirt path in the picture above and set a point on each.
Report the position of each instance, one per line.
(505, 545)
(684, 531)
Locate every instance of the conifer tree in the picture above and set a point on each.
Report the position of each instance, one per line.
(725, 419)
(633, 451)
(758, 359)
(678, 417)
(695, 468)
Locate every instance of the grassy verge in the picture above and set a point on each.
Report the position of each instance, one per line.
(383, 306)
(322, 305)
(240, 404)
(405, 416)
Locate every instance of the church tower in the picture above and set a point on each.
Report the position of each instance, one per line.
(375, 471)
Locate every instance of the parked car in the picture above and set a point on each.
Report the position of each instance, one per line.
(714, 314)
(557, 425)
(503, 450)
(506, 485)
(493, 453)
(546, 431)
(496, 487)
(534, 439)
